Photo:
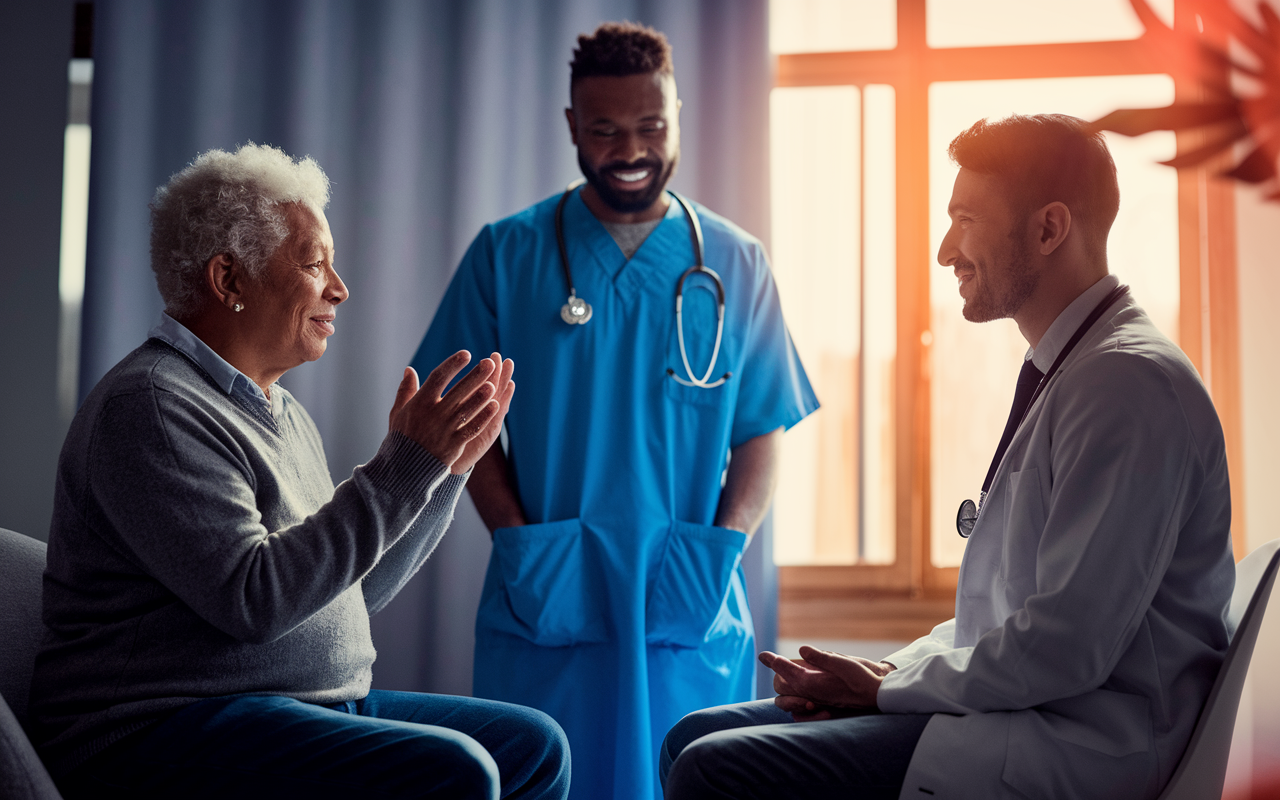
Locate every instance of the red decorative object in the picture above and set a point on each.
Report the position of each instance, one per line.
(1223, 116)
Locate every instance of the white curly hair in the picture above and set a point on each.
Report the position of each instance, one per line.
(230, 203)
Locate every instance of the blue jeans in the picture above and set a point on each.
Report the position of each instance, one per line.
(755, 750)
(388, 745)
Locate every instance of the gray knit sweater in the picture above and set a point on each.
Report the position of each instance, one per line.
(199, 549)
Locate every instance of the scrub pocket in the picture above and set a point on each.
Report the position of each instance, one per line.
(548, 584)
(692, 582)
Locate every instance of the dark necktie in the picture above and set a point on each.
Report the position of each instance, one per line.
(1028, 380)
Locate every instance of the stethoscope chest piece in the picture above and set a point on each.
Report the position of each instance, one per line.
(575, 311)
(966, 518)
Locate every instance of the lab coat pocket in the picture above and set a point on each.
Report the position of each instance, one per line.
(1024, 521)
(548, 585)
(691, 584)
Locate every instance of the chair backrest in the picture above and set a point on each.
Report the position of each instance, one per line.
(21, 571)
(1203, 768)
(22, 776)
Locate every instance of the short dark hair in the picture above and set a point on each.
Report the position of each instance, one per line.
(619, 49)
(1043, 158)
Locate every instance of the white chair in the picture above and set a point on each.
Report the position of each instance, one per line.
(22, 776)
(1203, 768)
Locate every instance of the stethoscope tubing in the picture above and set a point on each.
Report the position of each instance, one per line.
(703, 382)
(577, 311)
(967, 516)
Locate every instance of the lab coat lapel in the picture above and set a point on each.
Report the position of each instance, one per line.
(1120, 311)
(966, 757)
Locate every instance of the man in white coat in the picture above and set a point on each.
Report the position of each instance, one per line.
(1090, 610)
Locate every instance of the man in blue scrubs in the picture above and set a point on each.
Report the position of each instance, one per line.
(634, 476)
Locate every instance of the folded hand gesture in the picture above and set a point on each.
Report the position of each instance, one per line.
(822, 685)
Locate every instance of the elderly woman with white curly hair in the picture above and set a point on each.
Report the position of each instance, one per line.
(208, 589)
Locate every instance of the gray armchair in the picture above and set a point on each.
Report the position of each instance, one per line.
(22, 776)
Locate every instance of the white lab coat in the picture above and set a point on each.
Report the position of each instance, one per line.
(1090, 609)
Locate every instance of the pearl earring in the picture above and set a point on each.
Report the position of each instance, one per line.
(239, 307)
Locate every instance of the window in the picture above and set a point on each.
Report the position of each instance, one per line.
(914, 398)
(834, 263)
(75, 210)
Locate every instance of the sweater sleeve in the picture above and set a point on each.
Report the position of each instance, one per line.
(171, 488)
(407, 556)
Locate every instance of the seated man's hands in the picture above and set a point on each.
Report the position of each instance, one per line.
(823, 685)
(459, 425)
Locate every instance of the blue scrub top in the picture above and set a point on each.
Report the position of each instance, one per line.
(623, 606)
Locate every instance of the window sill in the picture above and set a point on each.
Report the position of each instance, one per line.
(847, 603)
(876, 616)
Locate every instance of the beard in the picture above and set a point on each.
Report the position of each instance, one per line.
(627, 202)
(1006, 284)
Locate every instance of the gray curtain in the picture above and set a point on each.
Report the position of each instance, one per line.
(431, 119)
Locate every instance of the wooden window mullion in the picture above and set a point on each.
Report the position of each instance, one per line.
(902, 600)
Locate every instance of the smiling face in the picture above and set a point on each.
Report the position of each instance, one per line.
(987, 247)
(627, 131)
(291, 304)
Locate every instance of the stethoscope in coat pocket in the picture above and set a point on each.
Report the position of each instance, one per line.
(577, 311)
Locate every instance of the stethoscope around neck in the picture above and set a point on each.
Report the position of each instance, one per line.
(577, 311)
(967, 515)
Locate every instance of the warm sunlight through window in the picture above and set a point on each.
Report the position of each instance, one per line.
(833, 147)
(866, 97)
(978, 23)
(817, 26)
(975, 367)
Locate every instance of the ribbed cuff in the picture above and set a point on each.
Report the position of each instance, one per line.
(404, 469)
(444, 496)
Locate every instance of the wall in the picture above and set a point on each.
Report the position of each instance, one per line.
(35, 46)
(1256, 749)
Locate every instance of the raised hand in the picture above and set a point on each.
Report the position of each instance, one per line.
(504, 388)
(446, 423)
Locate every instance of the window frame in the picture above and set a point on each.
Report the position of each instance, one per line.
(903, 600)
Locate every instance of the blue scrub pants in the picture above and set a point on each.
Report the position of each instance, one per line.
(755, 750)
(388, 745)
